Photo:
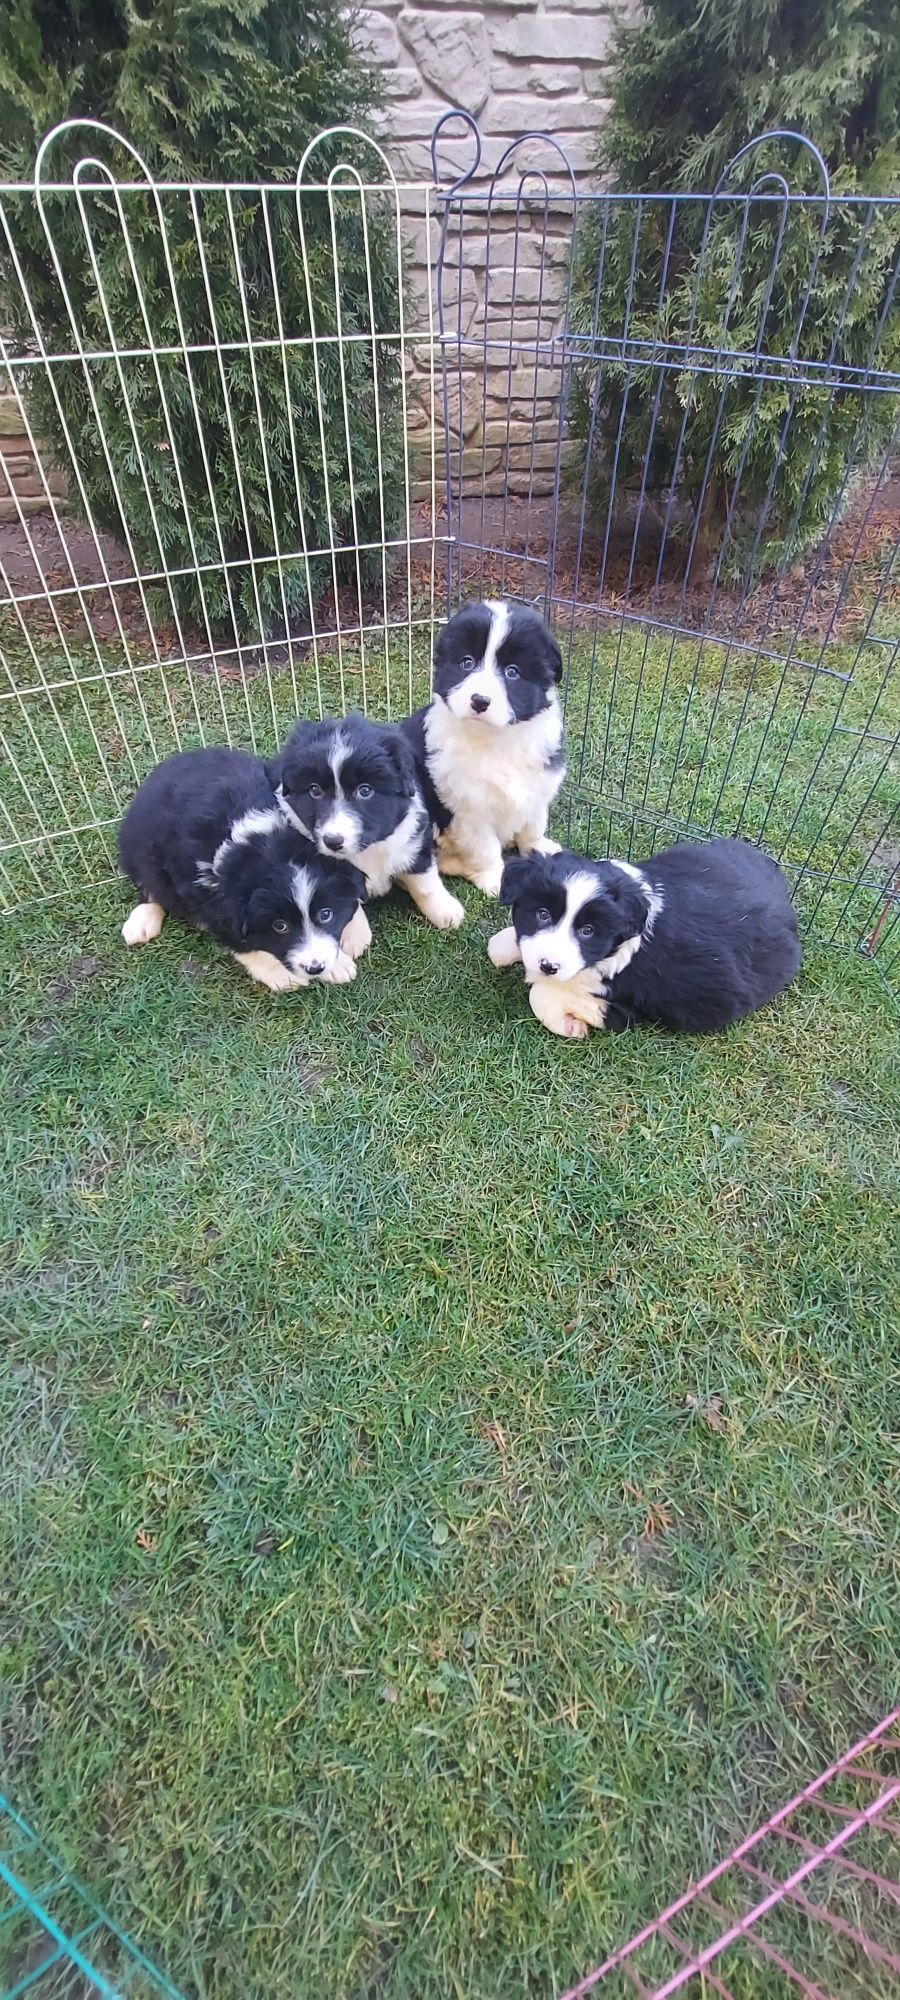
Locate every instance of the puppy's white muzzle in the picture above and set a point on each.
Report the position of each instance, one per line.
(481, 697)
(340, 833)
(318, 955)
(552, 954)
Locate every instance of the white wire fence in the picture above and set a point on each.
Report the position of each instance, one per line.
(240, 385)
(297, 424)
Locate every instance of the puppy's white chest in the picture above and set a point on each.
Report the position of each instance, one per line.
(386, 859)
(497, 780)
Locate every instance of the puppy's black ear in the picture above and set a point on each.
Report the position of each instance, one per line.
(401, 754)
(241, 887)
(291, 747)
(244, 913)
(277, 765)
(340, 879)
(555, 657)
(358, 883)
(628, 908)
(242, 908)
(516, 876)
(445, 646)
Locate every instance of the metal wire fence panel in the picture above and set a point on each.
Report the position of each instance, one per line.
(238, 382)
(808, 1905)
(56, 1943)
(687, 456)
(669, 420)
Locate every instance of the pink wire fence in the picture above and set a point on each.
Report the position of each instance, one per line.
(809, 1904)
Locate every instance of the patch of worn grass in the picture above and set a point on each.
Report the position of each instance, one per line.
(664, 736)
(446, 1473)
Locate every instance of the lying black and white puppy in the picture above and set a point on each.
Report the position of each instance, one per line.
(489, 748)
(204, 839)
(695, 938)
(351, 786)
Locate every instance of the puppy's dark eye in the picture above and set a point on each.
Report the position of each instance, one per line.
(467, 664)
(512, 673)
(324, 916)
(315, 791)
(585, 930)
(543, 918)
(364, 791)
(280, 924)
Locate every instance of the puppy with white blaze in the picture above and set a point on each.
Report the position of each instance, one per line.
(352, 787)
(693, 939)
(489, 748)
(204, 839)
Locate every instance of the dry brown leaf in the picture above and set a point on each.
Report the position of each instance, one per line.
(710, 1411)
(146, 1541)
(495, 1436)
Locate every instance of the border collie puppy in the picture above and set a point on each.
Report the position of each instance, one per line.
(489, 748)
(351, 786)
(696, 938)
(205, 840)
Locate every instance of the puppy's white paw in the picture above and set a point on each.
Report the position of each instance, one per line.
(489, 880)
(357, 935)
(445, 912)
(342, 972)
(546, 847)
(267, 970)
(427, 890)
(451, 863)
(144, 924)
(503, 949)
(565, 1012)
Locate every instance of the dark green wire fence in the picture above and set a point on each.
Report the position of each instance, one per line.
(56, 1942)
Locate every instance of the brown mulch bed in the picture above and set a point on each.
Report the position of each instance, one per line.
(826, 596)
(503, 547)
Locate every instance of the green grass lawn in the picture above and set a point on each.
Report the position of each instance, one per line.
(446, 1472)
(447, 1477)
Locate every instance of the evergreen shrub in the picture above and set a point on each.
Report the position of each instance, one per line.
(208, 91)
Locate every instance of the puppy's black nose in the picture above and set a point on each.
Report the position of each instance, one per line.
(333, 841)
(319, 966)
(548, 968)
(480, 702)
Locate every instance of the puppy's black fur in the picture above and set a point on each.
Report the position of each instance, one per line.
(357, 778)
(716, 931)
(353, 787)
(527, 644)
(177, 844)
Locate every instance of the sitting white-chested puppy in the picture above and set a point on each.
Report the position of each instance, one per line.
(489, 747)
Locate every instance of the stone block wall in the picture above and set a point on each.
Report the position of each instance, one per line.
(517, 66)
(19, 472)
